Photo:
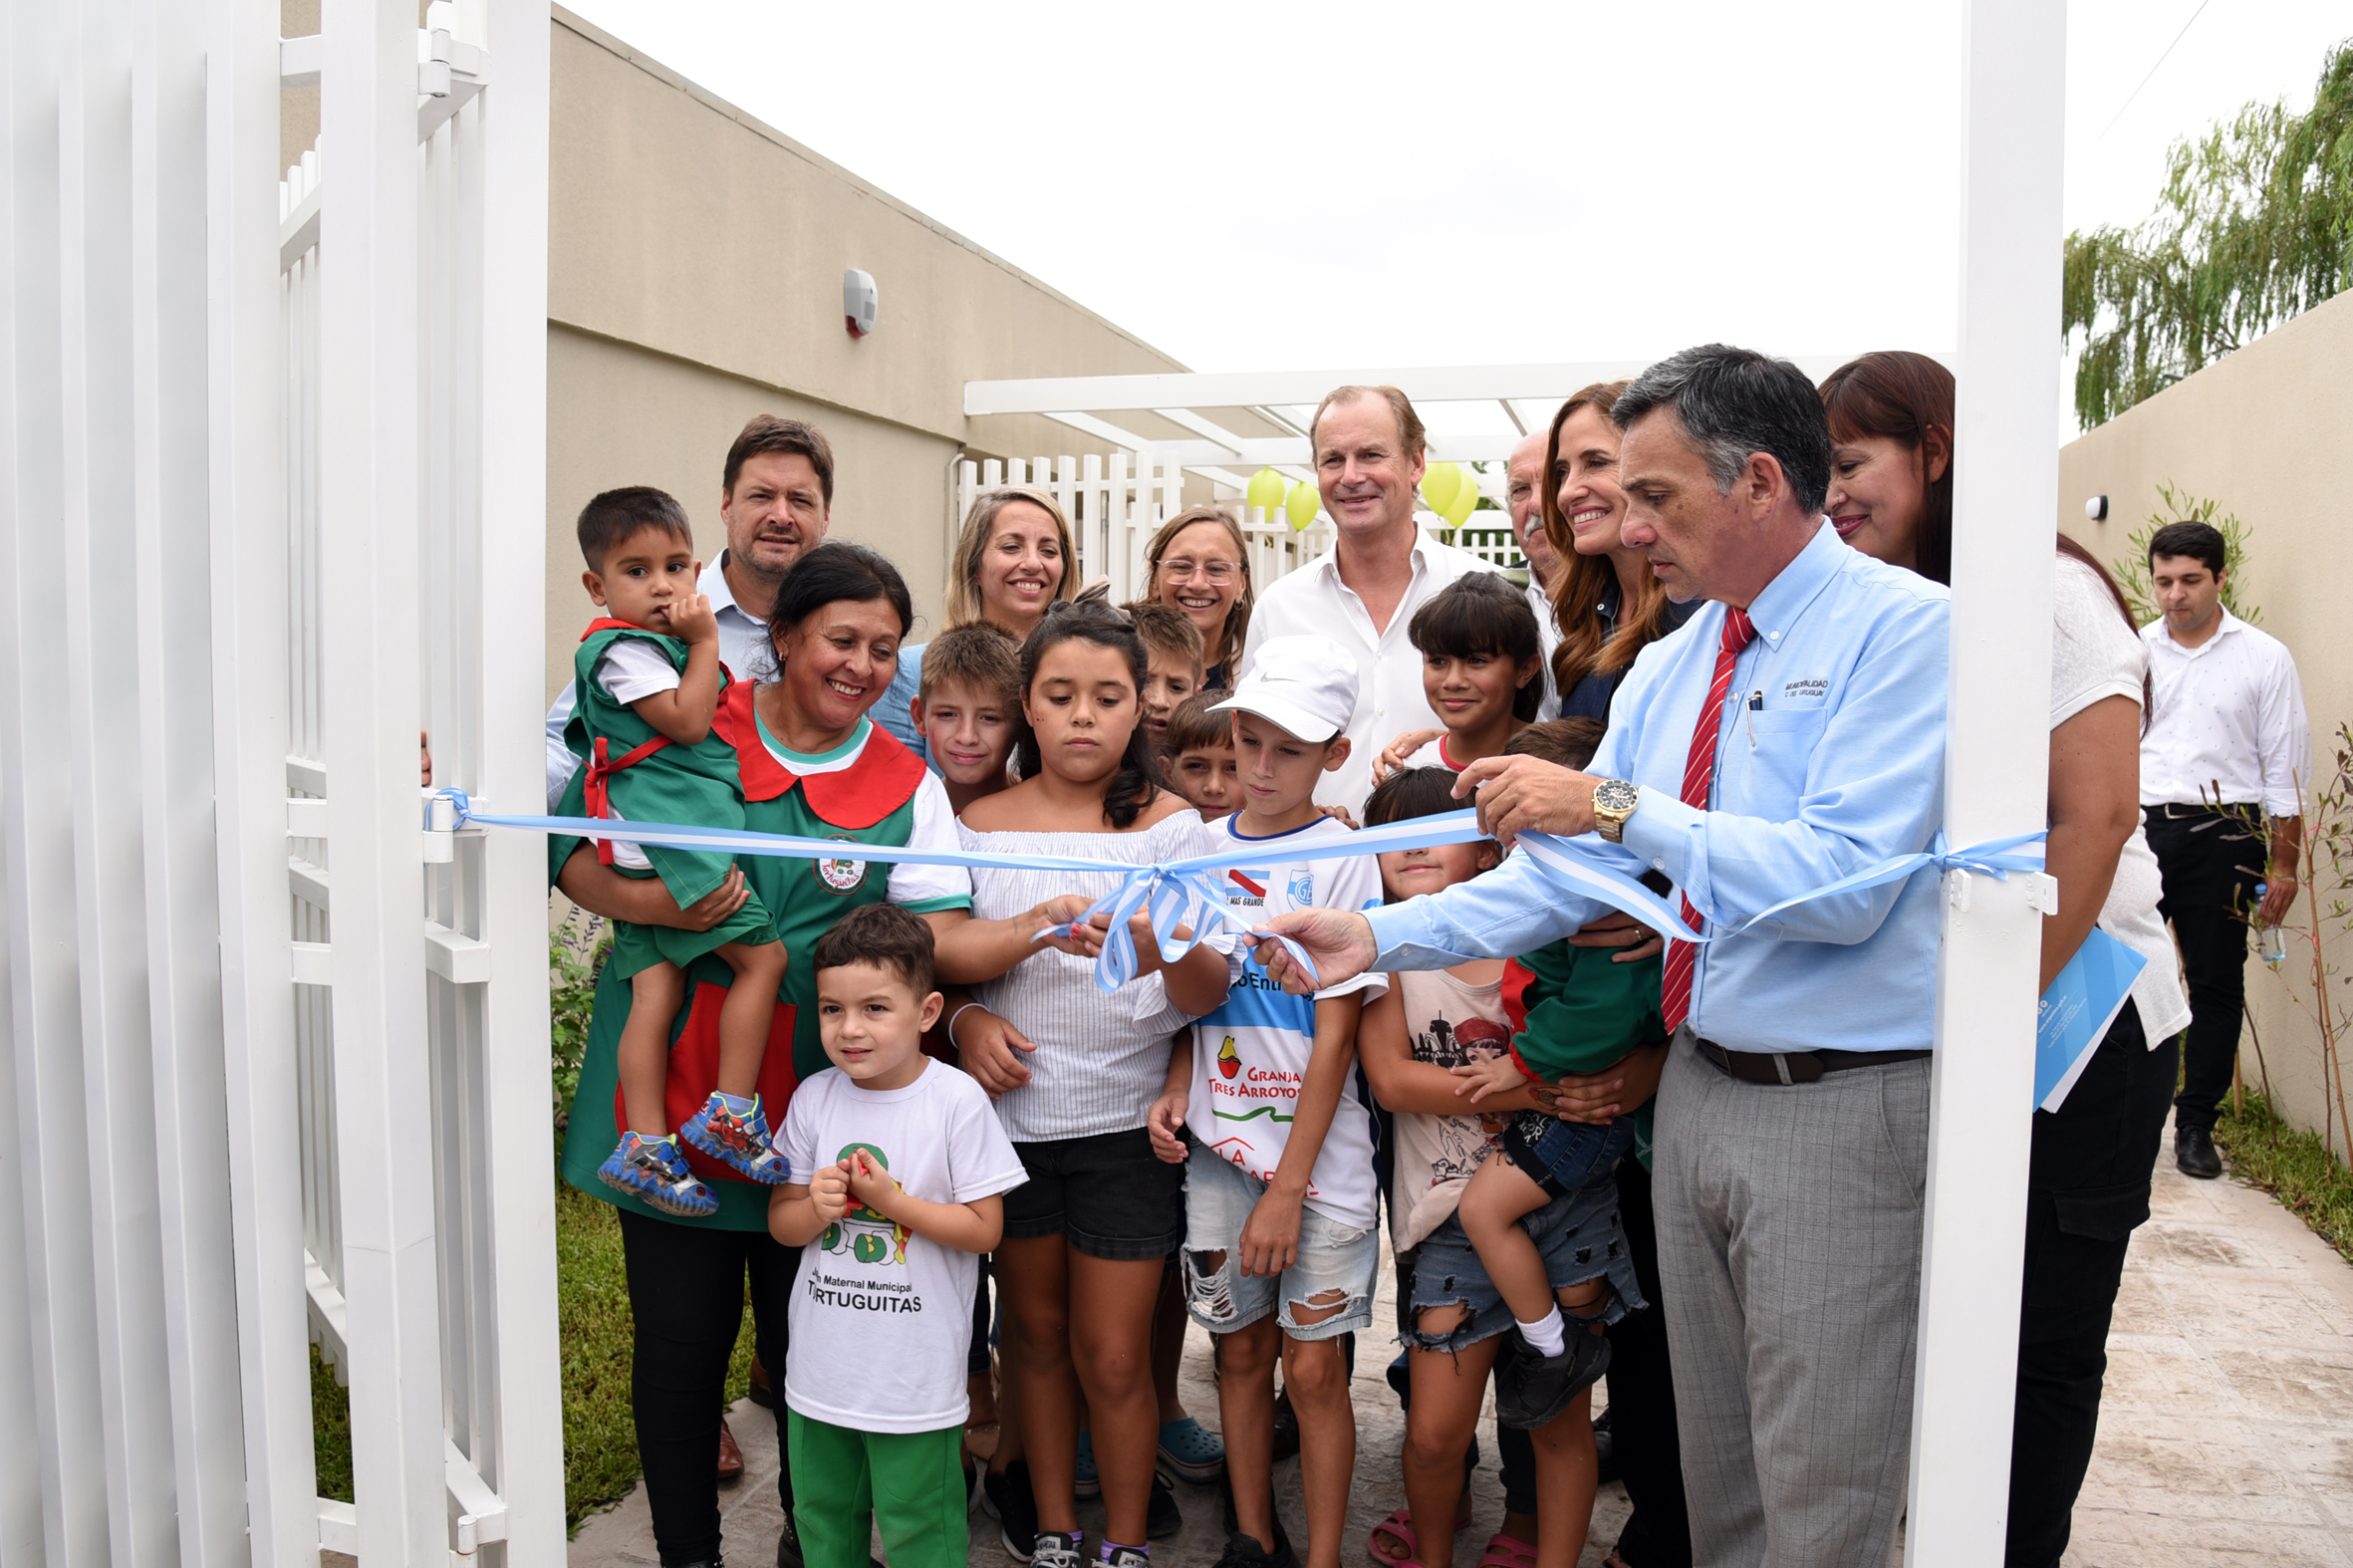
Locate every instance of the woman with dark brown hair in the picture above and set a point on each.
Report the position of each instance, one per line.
(1890, 496)
(1605, 600)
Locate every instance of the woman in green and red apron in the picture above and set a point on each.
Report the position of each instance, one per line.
(811, 764)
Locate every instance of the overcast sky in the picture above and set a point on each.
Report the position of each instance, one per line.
(1280, 185)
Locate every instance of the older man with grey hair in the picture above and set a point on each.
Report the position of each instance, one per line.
(1790, 733)
(1523, 479)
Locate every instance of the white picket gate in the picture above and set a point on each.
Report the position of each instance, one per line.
(286, 436)
(1114, 504)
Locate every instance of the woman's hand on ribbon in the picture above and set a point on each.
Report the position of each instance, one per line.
(1616, 929)
(1061, 924)
(1338, 942)
(1517, 794)
(990, 1050)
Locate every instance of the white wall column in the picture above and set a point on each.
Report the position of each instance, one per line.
(2004, 492)
(249, 583)
(384, 1110)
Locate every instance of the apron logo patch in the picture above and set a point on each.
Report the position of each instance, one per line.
(842, 876)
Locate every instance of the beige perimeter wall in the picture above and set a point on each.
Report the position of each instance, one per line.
(2268, 433)
(695, 261)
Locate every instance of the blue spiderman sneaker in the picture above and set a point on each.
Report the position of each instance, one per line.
(734, 1132)
(653, 1170)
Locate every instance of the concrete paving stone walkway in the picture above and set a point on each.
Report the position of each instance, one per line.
(2225, 1434)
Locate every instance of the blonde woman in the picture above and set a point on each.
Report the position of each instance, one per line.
(1198, 563)
(1012, 560)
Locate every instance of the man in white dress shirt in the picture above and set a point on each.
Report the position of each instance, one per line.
(1521, 477)
(2226, 747)
(776, 500)
(1369, 455)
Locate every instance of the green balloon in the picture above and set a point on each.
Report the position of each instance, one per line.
(1266, 491)
(1304, 502)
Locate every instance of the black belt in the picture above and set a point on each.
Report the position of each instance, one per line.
(2175, 811)
(1796, 1067)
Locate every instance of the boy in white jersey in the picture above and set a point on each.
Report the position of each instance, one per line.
(1281, 1200)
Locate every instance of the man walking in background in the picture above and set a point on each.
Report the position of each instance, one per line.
(2224, 761)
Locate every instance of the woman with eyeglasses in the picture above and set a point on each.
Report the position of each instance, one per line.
(1198, 562)
(1013, 560)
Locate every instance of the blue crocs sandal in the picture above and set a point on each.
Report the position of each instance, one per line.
(1083, 1482)
(654, 1170)
(1192, 1451)
(736, 1138)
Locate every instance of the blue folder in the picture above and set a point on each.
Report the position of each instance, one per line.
(2076, 1011)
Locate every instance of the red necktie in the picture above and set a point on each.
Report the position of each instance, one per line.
(1698, 777)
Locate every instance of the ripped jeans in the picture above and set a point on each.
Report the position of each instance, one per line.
(1334, 1269)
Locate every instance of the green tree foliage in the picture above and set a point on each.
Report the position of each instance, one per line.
(576, 951)
(2254, 227)
(2131, 570)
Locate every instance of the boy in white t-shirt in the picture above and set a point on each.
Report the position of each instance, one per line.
(898, 1166)
(1281, 1200)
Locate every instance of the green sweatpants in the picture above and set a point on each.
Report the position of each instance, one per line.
(909, 1482)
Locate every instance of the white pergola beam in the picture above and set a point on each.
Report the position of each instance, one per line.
(2005, 490)
(1053, 394)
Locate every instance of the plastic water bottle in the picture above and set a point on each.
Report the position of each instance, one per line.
(2271, 940)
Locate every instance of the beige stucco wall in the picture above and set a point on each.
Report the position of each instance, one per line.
(694, 278)
(2265, 432)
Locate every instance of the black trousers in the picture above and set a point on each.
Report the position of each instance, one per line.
(2211, 860)
(1642, 1398)
(686, 1286)
(2088, 1186)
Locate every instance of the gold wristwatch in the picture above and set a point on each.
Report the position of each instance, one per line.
(1614, 801)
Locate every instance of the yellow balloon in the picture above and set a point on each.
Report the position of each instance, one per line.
(1439, 481)
(1304, 502)
(1266, 490)
(1465, 502)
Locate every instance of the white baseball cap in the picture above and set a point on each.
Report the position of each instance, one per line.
(1306, 684)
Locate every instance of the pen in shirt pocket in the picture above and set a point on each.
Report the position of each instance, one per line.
(1755, 706)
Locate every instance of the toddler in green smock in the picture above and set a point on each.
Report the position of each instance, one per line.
(648, 680)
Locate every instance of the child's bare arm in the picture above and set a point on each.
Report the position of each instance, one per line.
(1494, 1076)
(797, 1214)
(1270, 1237)
(684, 713)
(1165, 1120)
(1402, 1084)
(976, 1226)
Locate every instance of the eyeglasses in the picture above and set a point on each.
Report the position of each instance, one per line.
(1218, 573)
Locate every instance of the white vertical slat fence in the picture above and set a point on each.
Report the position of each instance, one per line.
(255, 426)
(1114, 504)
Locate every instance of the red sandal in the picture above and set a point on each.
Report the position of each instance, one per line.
(1505, 1551)
(1400, 1525)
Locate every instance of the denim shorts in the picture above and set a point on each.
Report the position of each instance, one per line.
(1108, 1193)
(1219, 1198)
(1578, 1236)
(1561, 1157)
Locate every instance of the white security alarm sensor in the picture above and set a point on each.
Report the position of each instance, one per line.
(858, 302)
(2096, 508)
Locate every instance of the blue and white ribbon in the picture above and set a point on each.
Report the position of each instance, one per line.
(1183, 900)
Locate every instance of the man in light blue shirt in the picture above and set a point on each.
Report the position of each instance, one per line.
(1792, 1111)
